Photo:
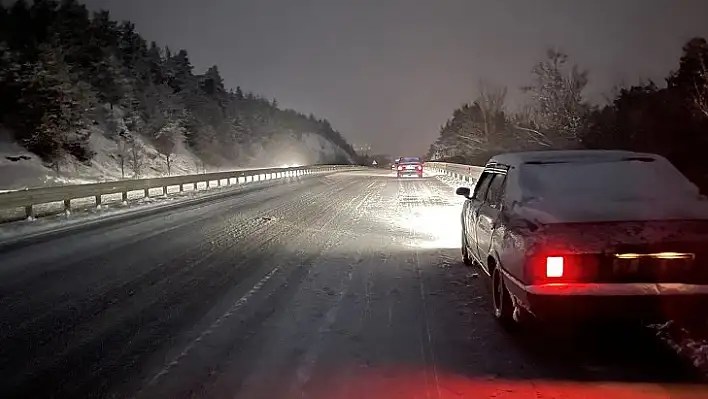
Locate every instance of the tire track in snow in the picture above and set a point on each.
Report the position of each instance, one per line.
(309, 216)
(136, 319)
(423, 194)
(304, 370)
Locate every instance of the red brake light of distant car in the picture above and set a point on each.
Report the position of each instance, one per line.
(400, 167)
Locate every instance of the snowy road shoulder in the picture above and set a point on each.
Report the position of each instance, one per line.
(85, 213)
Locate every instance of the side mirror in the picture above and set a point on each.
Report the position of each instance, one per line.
(463, 191)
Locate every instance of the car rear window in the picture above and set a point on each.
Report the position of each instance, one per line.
(624, 179)
(410, 160)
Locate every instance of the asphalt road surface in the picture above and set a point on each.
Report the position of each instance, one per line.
(347, 285)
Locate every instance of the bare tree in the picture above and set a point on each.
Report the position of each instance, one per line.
(525, 128)
(166, 139)
(492, 102)
(700, 98)
(123, 151)
(526, 115)
(532, 136)
(465, 131)
(557, 96)
(136, 157)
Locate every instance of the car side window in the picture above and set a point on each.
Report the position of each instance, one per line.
(495, 193)
(480, 189)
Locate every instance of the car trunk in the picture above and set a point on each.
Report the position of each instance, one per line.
(410, 167)
(674, 251)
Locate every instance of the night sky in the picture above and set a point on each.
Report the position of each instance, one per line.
(390, 72)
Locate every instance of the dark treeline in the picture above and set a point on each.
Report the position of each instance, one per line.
(671, 120)
(64, 70)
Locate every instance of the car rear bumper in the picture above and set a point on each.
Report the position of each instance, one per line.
(646, 302)
(410, 173)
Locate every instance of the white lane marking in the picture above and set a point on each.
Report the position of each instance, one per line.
(236, 306)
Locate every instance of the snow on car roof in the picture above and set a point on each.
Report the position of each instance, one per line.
(601, 185)
(517, 158)
(626, 178)
(515, 190)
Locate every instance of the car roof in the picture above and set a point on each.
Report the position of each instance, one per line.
(518, 158)
(514, 190)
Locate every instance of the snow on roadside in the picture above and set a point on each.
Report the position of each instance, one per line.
(107, 201)
(84, 210)
(455, 183)
(21, 169)
(691, 344)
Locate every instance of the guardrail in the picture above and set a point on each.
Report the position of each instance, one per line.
(467, 173)
(28, 198)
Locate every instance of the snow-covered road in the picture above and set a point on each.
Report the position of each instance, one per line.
(346, 285)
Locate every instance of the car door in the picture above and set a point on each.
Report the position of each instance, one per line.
(472, 209)
(488, 215)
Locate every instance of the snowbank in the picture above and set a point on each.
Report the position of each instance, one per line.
(455, 183)
(84, 210)
(690, 343)
(20, 169)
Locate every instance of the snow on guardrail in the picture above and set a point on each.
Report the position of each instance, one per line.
(30, 198)
(455, 175)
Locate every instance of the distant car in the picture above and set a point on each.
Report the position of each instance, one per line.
(409, 166)
(585, 235)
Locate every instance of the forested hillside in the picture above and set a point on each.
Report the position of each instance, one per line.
(66, 75)
(671, 120)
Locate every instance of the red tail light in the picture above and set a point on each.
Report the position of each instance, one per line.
(554, 266)
(565, 268)
(419, 167)
(400, 168)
